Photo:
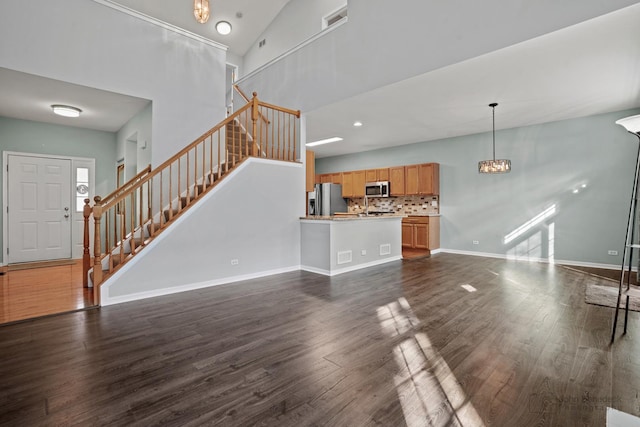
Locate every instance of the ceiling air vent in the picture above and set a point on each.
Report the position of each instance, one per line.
(334, 17)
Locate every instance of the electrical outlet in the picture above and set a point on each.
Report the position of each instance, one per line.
(476, 242)
(612, 252)
(234, 261)
(363, 252)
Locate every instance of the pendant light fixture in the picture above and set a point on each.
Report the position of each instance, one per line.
(201, 10)
(494, 166)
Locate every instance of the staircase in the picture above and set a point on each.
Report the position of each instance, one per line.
(130, 218)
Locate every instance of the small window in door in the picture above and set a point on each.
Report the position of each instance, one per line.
(334, 17)
(82, 187)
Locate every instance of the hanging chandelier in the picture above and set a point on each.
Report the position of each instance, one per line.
(201, 10)
(494, 166)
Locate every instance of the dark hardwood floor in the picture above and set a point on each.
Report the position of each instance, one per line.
(397, 344)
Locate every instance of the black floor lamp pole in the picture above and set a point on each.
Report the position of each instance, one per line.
(632, 124)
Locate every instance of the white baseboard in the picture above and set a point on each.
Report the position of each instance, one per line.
(351, 268)
(535, 259)
(105, 300)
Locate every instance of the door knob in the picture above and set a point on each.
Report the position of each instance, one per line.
(67, 208)
(66, 215)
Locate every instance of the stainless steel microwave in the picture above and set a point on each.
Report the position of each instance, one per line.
(377, 189)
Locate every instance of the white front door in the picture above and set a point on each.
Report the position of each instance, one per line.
(39, 208)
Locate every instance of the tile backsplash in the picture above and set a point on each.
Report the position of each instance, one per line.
(408, 205)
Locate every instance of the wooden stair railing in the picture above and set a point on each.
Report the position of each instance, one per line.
(128, 219)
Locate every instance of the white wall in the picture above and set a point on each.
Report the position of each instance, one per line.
(87, 43)
(359, 56)
(252, 216)
(296, 22)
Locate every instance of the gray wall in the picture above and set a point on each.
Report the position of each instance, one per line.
(358, 57)
(549, 162)
(297, 21)
(135, 156)
(90, 44)
(252, 216)
(43, 138)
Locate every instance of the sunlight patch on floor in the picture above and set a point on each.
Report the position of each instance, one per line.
(427, 389)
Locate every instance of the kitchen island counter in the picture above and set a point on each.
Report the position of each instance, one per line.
(337, 244)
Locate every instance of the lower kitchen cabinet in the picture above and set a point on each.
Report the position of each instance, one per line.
(421, 232)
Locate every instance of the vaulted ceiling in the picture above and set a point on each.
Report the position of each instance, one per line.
(589, 68)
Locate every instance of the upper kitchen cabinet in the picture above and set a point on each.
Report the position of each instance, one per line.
(396, 181)
(347, 184)
(375, 175)
(353, 183)
(359, 180)
(371, 175)
(382, 174)
(311, 170)
(331, 178)
(423, 179)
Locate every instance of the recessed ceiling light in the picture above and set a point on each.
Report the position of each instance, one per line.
(323, 141)
(223, 27)
(357, 123)
(66, 110)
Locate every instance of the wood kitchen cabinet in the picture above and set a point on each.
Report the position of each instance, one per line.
(347, 184)
(324, 178)
(396, 181)
(331, 178)
(382, 174)
(423, 179)
(371, 175)
(421, 232)
(353, 184)
(359, 180)
(376, 175)
(311, 170)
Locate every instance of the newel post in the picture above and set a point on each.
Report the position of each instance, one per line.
(86, 258)
(255, 112)
(97, 251)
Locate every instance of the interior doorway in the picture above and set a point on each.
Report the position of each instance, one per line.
(231, 76)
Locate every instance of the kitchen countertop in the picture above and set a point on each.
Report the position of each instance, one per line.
(349, 216)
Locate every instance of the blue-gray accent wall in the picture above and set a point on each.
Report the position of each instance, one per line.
(578, 173)
(42, 138)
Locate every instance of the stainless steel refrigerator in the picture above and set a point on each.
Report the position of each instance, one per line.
(328, 199)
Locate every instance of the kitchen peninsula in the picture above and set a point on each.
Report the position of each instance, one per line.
(337, 244)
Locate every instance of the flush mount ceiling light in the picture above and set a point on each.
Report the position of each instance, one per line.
(323, 141)
(223, 27)
(357, 123)
(201, 10)
(494, 166)
(66, 110)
